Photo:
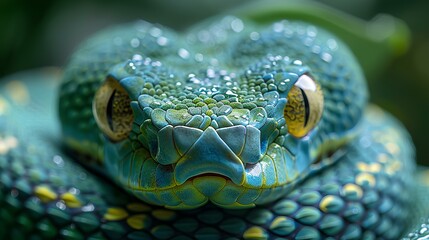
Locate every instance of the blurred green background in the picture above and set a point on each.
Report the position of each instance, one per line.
(44, 33)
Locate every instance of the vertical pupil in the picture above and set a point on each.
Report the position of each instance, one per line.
(110, 110)
(306, 107)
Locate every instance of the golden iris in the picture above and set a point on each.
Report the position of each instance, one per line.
(112, 110)
(304, 106)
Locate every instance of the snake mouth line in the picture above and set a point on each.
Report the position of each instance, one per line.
(209, 175)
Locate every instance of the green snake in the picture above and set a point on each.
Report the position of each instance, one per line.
(233, 130)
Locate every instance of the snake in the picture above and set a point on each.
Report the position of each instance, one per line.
(230, 130)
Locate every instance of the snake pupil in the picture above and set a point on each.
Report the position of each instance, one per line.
(306, 107)
(112, 110)
(109, 110)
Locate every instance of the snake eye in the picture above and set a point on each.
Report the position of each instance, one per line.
(112, 111)
(304, 106)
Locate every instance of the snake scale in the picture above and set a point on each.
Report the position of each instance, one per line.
(232, 130)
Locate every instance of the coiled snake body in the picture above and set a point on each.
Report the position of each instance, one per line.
(234, 130)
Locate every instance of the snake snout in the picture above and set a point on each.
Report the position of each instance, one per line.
(209, 155)
(224, 151)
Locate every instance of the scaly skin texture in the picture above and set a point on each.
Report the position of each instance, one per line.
(213, 102)
(362, 188)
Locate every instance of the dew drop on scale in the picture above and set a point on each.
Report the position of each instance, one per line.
(155, 32)
(183, 53)
(162, 41)
(237, 25)
(135, 42)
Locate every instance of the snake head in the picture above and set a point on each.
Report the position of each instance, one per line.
(238, 126)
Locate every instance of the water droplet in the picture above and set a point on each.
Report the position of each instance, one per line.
(332, 44)
(254, 36)
(199, 57)
(237, 25)
(297, 62)
(155, 32)
(135, 42)
(130, 67)
(183, 53)
(316, 49)
(74, 191)
(162, 41)
(60, 205)
(271, 97)
(231, 93)
(210, 73)
(311, 31)
(326, 57)
(88, 208)
(278, 27)
(156, 64)
(58, 160)
(137, 57)
(282, 86)
(194, 80)
(147, 61)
